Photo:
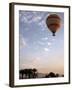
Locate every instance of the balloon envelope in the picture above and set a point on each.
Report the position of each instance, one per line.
(53, 23)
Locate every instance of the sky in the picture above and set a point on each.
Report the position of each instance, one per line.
(37, 47)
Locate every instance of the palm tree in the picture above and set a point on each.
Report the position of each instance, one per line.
(21, 72)
(34, 73)
(26, 72)
(29, 73)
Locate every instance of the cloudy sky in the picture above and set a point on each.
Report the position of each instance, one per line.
(38, 48)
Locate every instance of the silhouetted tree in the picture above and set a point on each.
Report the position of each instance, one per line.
(46, 76)
(29, 73)
(22, 73)
(57, 75)
(51, 74)
(26, 72)
(34, 73)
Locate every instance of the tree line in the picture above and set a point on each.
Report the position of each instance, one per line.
(28, 73)
(33, 73)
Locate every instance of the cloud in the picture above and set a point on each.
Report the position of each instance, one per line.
(46, 49)
(22, 42)
(49, 43)
(30, 16)
(53, 39)
(41, 23)
(38, 58)
(26, 28)
(36, 19)
(24, 16)
(31, 63)
(41, 43)
(45, 38)
(23, 19)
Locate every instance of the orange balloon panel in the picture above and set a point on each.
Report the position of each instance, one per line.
(53, 22)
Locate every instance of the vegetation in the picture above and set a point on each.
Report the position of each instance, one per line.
(32, 73)
(28, 73)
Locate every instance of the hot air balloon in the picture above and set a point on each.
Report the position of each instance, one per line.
(53, 22)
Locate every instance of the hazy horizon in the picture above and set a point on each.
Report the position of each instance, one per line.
(37, 47)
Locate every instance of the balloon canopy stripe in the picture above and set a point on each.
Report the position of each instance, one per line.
(54, 16)
(54, 24)
(53, 20)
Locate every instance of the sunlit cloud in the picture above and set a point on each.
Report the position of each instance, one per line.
(49, 43)
(24, 19)
(38, 58)
(36, 19)
(22, 42)
(46, 49)
(42, 24)
(45, 38)
(33, 62)
(53, 39)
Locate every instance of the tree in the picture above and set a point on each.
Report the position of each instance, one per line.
(46, 76)
(29, 73)
(51, 74)
(34, 73)
(26, 72)
(57, 75)
(22, 73)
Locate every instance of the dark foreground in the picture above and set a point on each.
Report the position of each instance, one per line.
(33, 73)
